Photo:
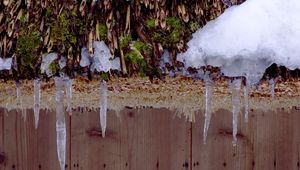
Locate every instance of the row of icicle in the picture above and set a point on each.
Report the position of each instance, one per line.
(63, 88)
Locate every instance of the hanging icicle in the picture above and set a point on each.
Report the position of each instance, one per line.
(68, 87)
(246, 99)
(37, 101)
(60, 122)
(235, 87)
(272, 83)
(208, 100)
(19, 100)
(103, 106)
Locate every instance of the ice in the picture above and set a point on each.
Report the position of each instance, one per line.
(68, 88)
(165, 59)
(60, 122)
(208, 103)
(248, 38)
(37, 101)
(85, 58)
(235, 87)
(101, 61)
(5, 64)
(227, 2)
(62, 62)
(246, 99)
(47, 59)
(103, 106)
(272, 83)
(101, 57)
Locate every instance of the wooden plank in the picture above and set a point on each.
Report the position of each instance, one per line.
(269, 141)
(2, 153)
(143, 139)
(27, 148)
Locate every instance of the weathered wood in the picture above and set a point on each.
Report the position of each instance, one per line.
(27, 148)
(144, 139)
(269, 141)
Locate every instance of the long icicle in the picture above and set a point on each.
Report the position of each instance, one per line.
(68, 87)
(37, 101)
(19, 100)
(272, 83)
(235, 87)
(246, 99)
(60, 122)
(103, 106)
(208, 100)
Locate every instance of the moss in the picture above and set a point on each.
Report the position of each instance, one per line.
(27, 43)
(143, 47)
(194, 26)
(54, 67)
(60, 33)
(104, 76)
(150, 23)
(102, 31)
(174, 23)
(124, 41)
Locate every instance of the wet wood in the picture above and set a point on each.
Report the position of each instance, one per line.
(145, 139)
(153, 139)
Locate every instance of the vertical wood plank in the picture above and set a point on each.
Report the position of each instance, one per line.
(218, 153)
(143, 139)
(2, 153)
(28, 148)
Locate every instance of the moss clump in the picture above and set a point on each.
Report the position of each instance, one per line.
(194, 26)
(135, 59)
(150, 23)
(104, 76)
(124, 41)
(27, 44)
(60, 32)
(54, 68)
(102, 31)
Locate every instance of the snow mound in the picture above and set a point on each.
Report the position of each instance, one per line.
(247, 38)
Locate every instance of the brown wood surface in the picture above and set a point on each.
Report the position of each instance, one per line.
(152, 139)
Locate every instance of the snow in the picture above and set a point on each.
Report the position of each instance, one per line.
(100, 61)
(5, 64)
(47, 59)
(247, 38)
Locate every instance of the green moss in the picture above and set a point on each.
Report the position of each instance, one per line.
(26, 44)
(60, 32)
(104, 76)
(150, 23)
(194, 26)
(135, 58)
(124, 41)
(54, 67)
(102, 31)
(174, 23)
(143, 47)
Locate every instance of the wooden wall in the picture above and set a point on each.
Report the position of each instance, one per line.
(149, 139)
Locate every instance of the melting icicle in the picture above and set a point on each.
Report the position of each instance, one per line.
(246, 99)
(19, 100)
(208, 100)
(272, 87)
(236, 87)
(103, 106)
(60, 122)
(37, 101)
(68, 87)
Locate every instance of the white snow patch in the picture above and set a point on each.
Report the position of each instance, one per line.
(5, 63)
(248, 38)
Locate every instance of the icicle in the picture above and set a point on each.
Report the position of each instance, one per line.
(68, 87)
(37, 101)
(19, 100)
(246, 99)
(60, 122)
(272, 87)
(103, 106)
(208, 100)
(235, 86)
